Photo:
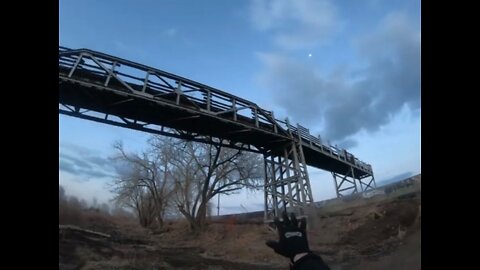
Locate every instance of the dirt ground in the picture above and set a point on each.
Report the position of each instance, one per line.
(379, 235)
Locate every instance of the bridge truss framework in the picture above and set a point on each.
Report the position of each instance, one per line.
(107, 89)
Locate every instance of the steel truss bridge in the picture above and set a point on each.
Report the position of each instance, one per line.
(107, 89)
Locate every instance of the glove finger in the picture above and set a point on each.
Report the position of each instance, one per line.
(303, 224)
(286, 221)
(294, 220)
(279, 226)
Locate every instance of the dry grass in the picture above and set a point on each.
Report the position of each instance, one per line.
(357, 236)
(232, 242)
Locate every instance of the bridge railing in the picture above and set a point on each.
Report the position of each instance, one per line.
(304, 135)
(123, 75)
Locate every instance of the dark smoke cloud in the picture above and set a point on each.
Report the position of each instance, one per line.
(340, 105)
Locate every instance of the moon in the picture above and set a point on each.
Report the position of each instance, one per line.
(309, 55)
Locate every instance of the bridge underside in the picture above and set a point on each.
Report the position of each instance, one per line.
(128, 110)
(144, 114)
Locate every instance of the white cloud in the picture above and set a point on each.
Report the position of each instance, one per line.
(85, 162)
(295, 24)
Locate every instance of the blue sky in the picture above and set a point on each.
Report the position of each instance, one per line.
(348, 70)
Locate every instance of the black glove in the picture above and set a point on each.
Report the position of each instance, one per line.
(293, 237)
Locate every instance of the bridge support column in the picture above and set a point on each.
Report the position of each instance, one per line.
(367, 183)
(287, 184)
(346, 184)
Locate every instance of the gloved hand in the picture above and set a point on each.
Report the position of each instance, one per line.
(293, 237)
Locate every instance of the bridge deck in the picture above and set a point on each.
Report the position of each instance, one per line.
(143, 97)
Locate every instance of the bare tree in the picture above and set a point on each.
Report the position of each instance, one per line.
(183, 174)
(201, 171)
(143, 184)
(137, 198)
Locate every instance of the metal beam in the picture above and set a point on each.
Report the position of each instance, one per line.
(139, 127)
